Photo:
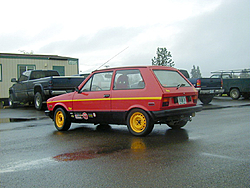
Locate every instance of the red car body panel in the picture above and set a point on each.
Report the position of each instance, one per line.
(150, 98)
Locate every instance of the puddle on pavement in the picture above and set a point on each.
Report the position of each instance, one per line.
(87, 154)
(136, 146)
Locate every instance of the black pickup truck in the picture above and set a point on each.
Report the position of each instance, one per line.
(207, 87)
(36, 86)
(235, 83)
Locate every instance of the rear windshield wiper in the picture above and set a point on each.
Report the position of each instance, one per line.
(180, 85)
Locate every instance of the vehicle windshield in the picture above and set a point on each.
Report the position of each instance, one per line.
(169, 78)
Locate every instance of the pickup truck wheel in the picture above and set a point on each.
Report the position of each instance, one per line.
(206, 99)
(234, 94)
(177, 124)
(38, 101)
(139, 123)
(61, 120)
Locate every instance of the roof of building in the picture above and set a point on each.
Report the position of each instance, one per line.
(34, 56)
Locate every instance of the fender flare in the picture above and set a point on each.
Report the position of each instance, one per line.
(39, 88)
(139, 107)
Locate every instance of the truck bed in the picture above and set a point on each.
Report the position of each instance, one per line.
(207, 83)
(63, 82)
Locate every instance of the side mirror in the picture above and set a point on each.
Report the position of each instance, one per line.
(13, 80)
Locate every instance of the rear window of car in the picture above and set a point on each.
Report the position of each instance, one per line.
(169, 78)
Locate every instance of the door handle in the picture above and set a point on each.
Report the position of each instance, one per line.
(106, 95)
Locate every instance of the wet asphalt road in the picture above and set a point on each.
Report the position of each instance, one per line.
(211, 151)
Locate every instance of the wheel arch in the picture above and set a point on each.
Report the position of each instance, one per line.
(141, 108)
(60, 106)
(61, 118)
(12, 92)
(38, 88)
(234, 87)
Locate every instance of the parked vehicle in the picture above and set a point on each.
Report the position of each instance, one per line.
(236, 83)
(36, 86)
(207, 87)
(136, 96)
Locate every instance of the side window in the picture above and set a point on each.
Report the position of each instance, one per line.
(215, 76)
(98, 82)
(225, 76)
(23, 78)
(128, 79)
(87, 85)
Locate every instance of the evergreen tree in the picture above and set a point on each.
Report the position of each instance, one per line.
(195, 72)
(164, 58)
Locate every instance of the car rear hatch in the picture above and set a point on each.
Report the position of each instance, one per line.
(178, 92)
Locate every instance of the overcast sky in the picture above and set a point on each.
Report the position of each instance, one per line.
(211, 34)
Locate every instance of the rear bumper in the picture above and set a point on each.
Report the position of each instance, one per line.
(176, 112)
(211, 91)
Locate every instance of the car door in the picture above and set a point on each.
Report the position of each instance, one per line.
(93, 99)
(128, 91)
(20, 88)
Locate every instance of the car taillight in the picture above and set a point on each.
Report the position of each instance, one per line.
(221, 80)
(198, 83)
(165, 101)
(195, 98)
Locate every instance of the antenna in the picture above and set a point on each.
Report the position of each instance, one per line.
(113, 57)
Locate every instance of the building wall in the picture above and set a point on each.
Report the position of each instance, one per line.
(9, 66)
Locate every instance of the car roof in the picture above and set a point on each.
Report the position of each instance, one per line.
(136, 67)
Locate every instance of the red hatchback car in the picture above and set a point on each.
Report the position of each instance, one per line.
(137, 96)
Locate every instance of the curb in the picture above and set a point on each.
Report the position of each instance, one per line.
(221, 107)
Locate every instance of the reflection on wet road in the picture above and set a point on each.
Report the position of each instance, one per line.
(115, 144)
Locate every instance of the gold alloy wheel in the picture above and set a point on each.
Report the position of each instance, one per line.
(138, 122)
(59, 119)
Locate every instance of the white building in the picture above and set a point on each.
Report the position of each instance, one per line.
(12, 65)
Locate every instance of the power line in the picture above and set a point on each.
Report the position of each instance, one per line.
(113, 57)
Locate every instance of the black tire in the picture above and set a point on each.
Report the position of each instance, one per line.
(11, 101)
(62, 120)
(139, 123)
(206, 99)
(38, 101)
(234, 94)
(178, 124)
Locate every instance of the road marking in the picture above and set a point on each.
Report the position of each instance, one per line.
(26, 165)
(222, 157)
